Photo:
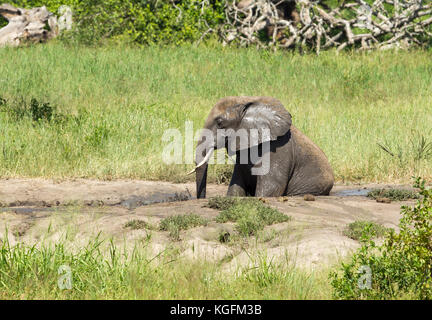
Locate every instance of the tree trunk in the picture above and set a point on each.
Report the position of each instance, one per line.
(27, 25)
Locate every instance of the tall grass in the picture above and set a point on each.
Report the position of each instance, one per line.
(115, 103)
(104, 271)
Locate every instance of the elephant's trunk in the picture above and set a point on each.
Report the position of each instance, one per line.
(201, 181)
(202, 158)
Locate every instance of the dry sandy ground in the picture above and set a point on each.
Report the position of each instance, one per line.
(36, 211)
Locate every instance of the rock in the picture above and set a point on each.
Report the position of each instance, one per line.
(309, 197)
(383, 200)
(263, 200)
(282, 199)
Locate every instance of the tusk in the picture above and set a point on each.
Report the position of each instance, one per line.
(206, 158)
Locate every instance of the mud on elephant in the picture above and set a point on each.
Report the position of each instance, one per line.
(296, 165)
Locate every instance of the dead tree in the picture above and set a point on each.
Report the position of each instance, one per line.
(286, 10)
(27, 25)
(353, 23)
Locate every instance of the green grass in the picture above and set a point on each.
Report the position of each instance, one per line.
(393, 194)
(104, 271)
(175, 224)
(222, 203)
(250, 214)
(358, 229)
(111, 105)
(137, 224)
(399, 267)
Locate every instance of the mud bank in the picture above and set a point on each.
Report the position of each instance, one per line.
(35, 211)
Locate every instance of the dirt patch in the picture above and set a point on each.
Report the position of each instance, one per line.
(127, 193)
(313, 237)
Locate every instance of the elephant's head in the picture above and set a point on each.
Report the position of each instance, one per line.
(233, 114)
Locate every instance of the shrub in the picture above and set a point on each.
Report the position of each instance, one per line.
(139, 21)
(41, 110)
(37, 110)
(370, 229)
(221, 203)
(400, 267)
(175, 224)
(250, 214)
(138, 224)
(393, 194)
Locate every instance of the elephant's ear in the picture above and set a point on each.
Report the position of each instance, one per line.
(260, 116)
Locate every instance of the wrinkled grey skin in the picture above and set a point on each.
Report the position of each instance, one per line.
(297, 165)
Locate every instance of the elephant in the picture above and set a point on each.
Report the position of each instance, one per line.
(296, 165)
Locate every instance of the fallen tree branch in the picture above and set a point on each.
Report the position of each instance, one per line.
(353, 24)
(27, 25)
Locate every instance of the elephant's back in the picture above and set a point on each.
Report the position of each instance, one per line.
(312, 168)
(306, 145)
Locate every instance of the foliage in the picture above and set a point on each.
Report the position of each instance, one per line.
(370, 229)
(352, 25)
(137, 224)
(138, 21)
(174, 224)
(250, 214)
(393, 194)
(36, 110)
(101, 270)
(222, 203)
(419, 147)
(402, 266)
(172, 22)
(112, 105)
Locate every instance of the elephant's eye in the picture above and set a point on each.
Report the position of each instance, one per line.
(219, 122)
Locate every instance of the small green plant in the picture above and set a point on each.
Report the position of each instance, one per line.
(16, 109)
(3, 22)
(224, 237)
(19, 108)
(221, 203)
(393, 194)
(421, 148)
(250, 214)
(98, 136)
(41, 110)
(103, 270)
(142, 22)
(174, 231)
(175, 224)
(359, 228)
(138, 224)
(2, 102)
(418, 148)
(401, 267)
(266, 274)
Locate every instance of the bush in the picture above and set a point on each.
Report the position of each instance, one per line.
(19, 109)
(393, 194)
(175, 224)
(358, 229)
(250, 214)
(137, 224)
(401, 267)
(139, 21)
(222, 203)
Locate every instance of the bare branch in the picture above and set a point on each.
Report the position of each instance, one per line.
(354, 23)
